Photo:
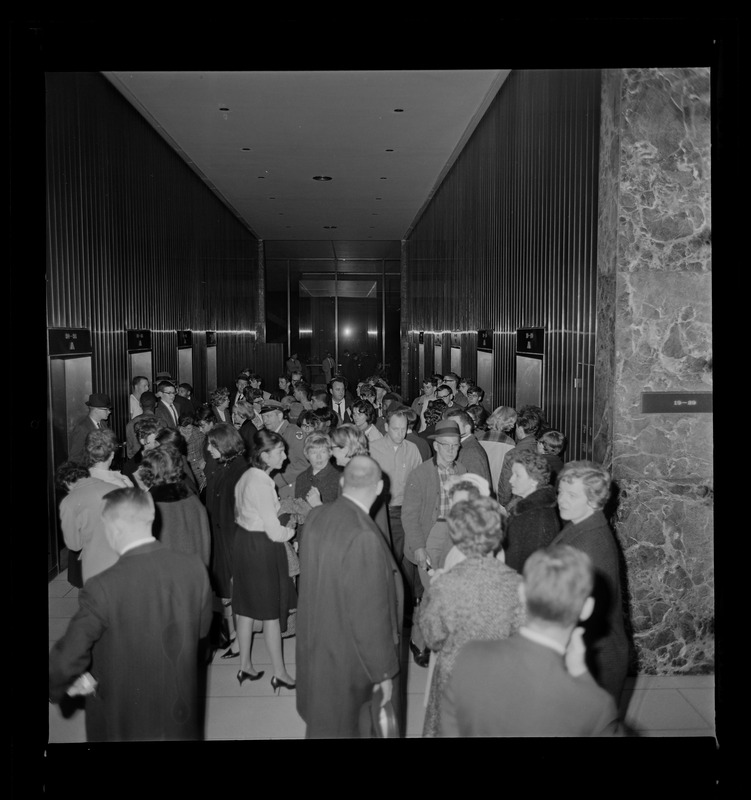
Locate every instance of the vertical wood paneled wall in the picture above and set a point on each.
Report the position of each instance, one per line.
(137, 240)
(509, 241)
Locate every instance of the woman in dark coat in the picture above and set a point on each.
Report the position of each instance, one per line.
(533, 512)
(181, 522)
(226, 450)
(319, 483)
(583, 490)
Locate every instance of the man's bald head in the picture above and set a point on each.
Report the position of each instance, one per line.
(362, 472)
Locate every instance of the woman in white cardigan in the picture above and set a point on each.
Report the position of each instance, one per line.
(261, 586)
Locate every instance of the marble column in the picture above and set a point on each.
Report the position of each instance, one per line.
(654, 334)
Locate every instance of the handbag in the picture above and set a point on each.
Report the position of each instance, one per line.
(293, 562)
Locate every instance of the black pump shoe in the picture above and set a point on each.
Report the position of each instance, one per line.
(246, 676)
(276, 683)
(421, 657)
(230, 654)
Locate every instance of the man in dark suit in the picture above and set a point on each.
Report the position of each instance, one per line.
(339, 400)
(536, 683)
(166, 411)
(472, 454)
(136, 634)
(349, 609)
(100, 407)
(186, 404)
(238, 394)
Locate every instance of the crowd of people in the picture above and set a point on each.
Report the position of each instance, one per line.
(352, 520)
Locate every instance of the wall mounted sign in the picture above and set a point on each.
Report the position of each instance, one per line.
(139, 340)
(210, 338)
(421, 337)
(676, 402)
(185, 338)
(456, 340)
(530, 341)
(485, 340)
(69, 341)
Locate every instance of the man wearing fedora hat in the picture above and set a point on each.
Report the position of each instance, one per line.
(100, 407)
(272, 414)
(426, 500)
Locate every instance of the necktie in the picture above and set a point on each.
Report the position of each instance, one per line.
(174, 413)
(341, 413)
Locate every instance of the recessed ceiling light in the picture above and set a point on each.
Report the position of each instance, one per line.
(321, 178)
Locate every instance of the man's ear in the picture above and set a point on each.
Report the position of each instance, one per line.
(587, 608)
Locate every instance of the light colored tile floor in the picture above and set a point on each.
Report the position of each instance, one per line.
(667, 706)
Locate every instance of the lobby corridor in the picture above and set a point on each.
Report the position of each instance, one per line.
(669, 706)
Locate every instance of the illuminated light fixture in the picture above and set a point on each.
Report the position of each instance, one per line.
(321, 177)
(347, 331)
(372, 333)
(306, 332)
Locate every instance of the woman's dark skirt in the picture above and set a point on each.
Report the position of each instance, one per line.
(261, 585)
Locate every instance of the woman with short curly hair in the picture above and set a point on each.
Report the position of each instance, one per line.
(181, 522)
(476, 599)
(219, 401)
(533, 515)
(99, 451)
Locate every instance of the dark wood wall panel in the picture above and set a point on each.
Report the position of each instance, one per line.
(508, 241)
(137, 240)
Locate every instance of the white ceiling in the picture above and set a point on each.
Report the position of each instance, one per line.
(296, 125)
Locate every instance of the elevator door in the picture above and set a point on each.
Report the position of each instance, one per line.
(140, 364)
(211, 368)
(456, 360)
(485, 377)
(185, 365)
(528, 381)
(438, 359)
(70, 387)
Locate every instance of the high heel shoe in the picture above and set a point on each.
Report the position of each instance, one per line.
(277, 683)
(230, 654)
(246, 676)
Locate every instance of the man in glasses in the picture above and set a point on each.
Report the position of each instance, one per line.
(166, 411)
(452, 380)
